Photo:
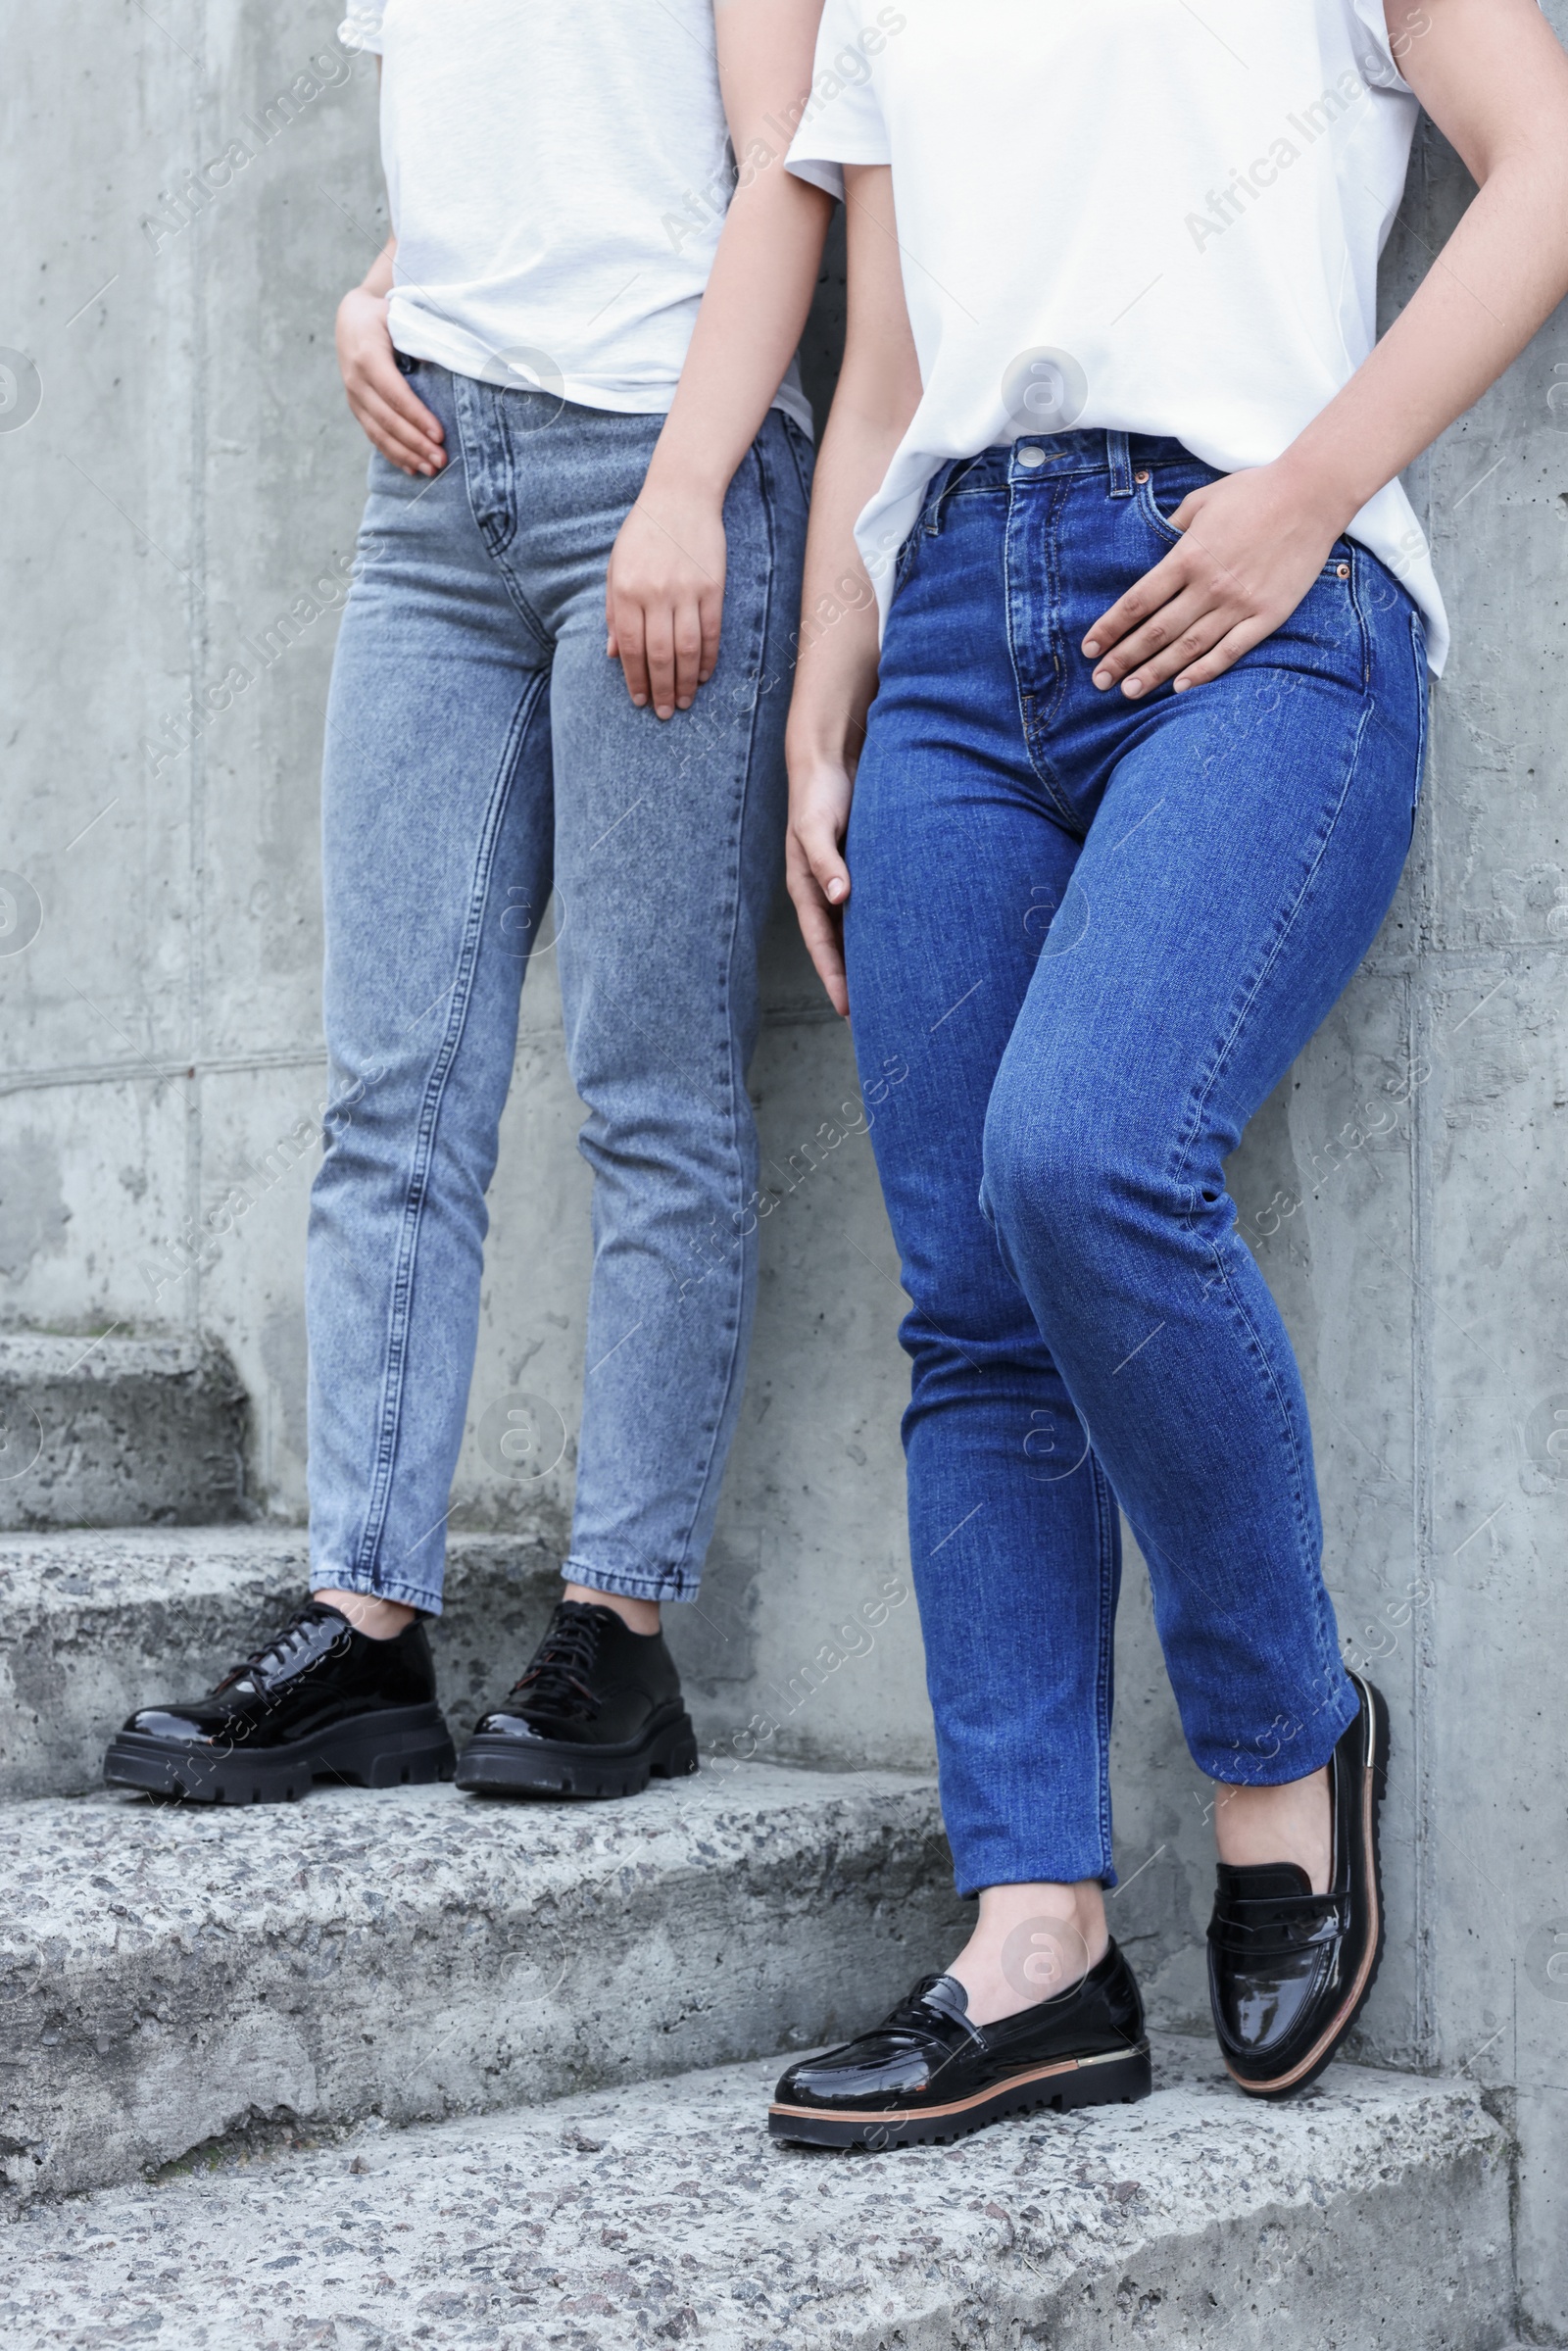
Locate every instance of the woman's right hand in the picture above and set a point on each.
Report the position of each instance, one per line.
(836, 670)
(399, 425)
(820, 791)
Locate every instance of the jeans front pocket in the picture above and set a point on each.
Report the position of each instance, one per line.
(1176, 482)
(1153, 500)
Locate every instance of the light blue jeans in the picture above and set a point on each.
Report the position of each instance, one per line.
(1086, 938)
(481, 748)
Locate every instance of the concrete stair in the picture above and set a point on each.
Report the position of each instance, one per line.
(117, 1433)
(1372, 2215)
(99, 1623)
(409, 2068)
(170, 1972)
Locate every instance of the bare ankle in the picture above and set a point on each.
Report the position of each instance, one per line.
(1294, 1822)
(368, 1613)
(1030, 1943)
(642, 1616)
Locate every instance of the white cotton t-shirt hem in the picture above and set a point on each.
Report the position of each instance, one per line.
(558, 180)
(418, 337)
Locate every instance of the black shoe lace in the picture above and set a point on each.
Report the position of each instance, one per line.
(555, 1682)
(280, 1648)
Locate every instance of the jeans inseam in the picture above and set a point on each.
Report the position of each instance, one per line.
(367, 1559)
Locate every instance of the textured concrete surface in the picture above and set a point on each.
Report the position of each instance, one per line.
(168, 1973)
(191, 474)
(118, 1432)
(95, 1624)
(1371, 2217)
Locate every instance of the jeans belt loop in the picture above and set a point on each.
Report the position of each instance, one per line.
(1119, 455)
(937, 496)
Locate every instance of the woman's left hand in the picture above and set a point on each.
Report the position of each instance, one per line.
(1253, 543)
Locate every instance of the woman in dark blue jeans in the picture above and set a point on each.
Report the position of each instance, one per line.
(1132, 781)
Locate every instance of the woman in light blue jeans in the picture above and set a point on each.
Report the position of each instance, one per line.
(569, 358)
(563, 666)
(1088, 849)
(481, 751)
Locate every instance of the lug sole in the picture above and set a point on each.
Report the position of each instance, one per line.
(493, 1765)
(1101, 2080)
(1328, 2042)
(406, 1746)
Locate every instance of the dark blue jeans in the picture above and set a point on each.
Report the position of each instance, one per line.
(1086, 939)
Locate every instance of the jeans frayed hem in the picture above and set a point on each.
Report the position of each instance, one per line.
(359, 1579)
(628, 1584)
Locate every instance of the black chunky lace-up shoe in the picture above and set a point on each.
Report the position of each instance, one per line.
(1289, 1970)
(597, 1713)
(318, 1701)
(928, 2076)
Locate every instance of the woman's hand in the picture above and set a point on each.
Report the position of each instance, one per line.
(820, 791)
(664, 598)
(400, 426)
(1254, 544)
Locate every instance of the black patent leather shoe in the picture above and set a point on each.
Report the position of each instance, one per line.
(1289, 1970)
(928, 2076)
(318, 1701)
(598, 1713)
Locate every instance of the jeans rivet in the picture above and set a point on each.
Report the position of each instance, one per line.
(1342, 570)
(1140, 477)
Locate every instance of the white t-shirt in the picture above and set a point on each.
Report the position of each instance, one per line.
(559, 177)
(1133, 214)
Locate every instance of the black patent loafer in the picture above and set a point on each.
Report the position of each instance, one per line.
(928, 2074)
(597, 1713)
(1289, 1970)
(318, 1702)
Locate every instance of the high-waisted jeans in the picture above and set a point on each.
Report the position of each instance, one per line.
(1086, 938)
(479, 748)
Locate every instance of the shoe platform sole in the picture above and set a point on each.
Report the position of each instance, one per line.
(1115, 2078)
(493, 1765)
(1328, 2042)
(405, 1747)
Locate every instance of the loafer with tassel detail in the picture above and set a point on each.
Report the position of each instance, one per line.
(1289, 1970)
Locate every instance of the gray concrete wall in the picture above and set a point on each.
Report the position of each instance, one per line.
(190, 478)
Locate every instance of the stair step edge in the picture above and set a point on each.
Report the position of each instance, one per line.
(417, 1952)
(1374, 2212)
